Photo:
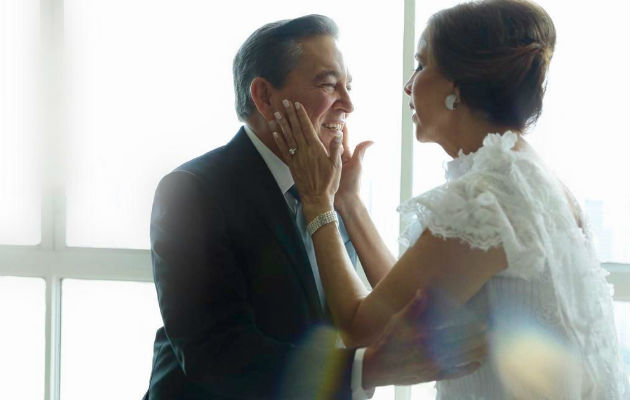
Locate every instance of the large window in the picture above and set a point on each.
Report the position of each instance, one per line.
(20, 196)
(100, 99)
(22, 339)
(111, 322)
(156, 90)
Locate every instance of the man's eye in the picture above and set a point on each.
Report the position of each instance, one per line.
(329, 86)
(349, 88)
(419, 68)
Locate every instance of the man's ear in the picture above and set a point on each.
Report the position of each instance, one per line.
(261, 91)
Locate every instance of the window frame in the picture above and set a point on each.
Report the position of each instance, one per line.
(53, 261)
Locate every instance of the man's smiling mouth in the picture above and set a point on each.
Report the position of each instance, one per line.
(334, 127)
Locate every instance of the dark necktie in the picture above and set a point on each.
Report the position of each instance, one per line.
(308, 244)
(294, 192)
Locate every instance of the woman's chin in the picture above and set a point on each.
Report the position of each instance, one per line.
(421, 135)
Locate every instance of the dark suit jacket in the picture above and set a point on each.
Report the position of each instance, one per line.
(241, 313)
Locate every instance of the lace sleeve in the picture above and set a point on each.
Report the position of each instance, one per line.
(483, 209)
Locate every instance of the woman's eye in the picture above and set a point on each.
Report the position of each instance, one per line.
(419, 68)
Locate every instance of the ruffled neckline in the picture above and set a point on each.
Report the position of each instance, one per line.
(464, 162)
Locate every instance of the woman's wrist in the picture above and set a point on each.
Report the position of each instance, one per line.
(346, 203)
(312, 209)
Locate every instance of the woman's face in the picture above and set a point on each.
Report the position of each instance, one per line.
(427, 89)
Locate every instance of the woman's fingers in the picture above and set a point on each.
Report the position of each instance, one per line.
(307, 126)
(286, 131)
(282, 146)
(296, 127)
(359, 151)
(346, 155)
(336, 149)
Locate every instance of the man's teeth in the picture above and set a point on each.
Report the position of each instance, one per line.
(336, 127)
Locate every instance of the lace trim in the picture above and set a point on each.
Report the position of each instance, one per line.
(499, 197)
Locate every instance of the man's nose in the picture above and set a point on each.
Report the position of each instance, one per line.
(345, 101)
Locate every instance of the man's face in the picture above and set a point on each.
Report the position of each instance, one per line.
(321, 82)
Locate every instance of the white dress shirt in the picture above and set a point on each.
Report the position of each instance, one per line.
(284, 179)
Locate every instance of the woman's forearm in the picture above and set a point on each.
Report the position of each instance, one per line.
(344, 290)
(375, 257)
(449, 266)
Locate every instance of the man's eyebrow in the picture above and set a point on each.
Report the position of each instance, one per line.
(325, 74)
(331, 73)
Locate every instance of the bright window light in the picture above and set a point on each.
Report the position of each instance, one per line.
(107, 333)
(20, 203)
(151, 86)
(22, 338)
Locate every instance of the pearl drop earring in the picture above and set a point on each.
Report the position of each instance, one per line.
(450, 102)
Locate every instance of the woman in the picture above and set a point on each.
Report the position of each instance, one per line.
(502, 239)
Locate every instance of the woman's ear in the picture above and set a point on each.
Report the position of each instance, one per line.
(261, 91)
(457, 93)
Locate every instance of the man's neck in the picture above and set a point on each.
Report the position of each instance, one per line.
(259, 126)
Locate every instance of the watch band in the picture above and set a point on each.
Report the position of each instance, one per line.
(321, 220)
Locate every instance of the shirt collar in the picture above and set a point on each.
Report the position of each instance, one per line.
(280, 171)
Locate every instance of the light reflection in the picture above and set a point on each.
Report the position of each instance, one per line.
(316, 363)
(533, 364)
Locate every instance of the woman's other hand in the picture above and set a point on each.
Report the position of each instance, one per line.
(352, 167)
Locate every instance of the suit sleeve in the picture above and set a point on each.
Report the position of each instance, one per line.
(207, 316)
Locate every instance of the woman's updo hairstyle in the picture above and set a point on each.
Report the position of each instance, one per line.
(497, 52)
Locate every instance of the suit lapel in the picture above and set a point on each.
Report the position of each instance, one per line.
(257, 185)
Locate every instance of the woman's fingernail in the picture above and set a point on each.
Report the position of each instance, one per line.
(277, 115)
(297, 105)
(338, 138)
(286, 103)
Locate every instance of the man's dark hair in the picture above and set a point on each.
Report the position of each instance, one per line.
(271, 52)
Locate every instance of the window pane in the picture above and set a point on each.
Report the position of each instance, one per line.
(589, 153)
(384, 393)
(106, 325)
(22, 338)
(20, 204)
(428, 158)
(151, 87)
(424, 391)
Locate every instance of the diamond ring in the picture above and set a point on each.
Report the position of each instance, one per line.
(292, 150)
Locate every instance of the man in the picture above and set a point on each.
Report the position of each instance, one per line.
(238, 287)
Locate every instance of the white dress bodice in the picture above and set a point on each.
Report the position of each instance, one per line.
(550, 311)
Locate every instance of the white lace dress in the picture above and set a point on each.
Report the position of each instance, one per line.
(550, 311)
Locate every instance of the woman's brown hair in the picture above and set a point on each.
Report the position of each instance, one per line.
(497, 52)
